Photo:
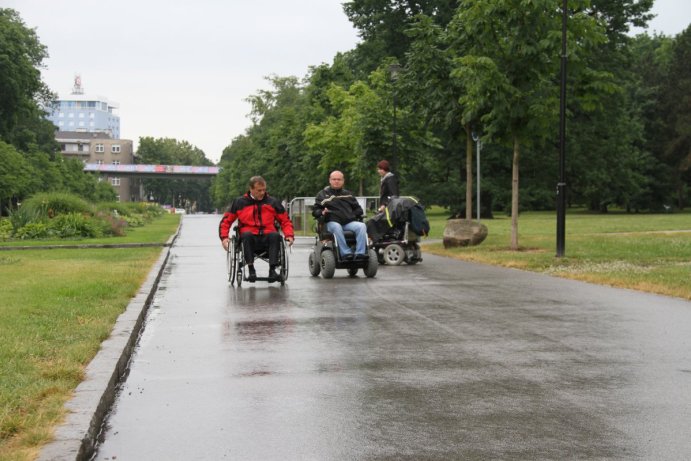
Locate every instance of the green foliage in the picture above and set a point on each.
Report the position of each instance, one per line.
(15, 174)
(32, 230)
(192, 193)
(61, 215)
(21, 90)
(5, 229)
(47, 205)
(72, 225)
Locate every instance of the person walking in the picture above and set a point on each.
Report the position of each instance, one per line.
(389, 184)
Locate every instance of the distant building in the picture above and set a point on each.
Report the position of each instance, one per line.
(99, 148)
(85, 113)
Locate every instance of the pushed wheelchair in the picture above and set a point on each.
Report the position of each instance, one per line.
(325, 257)
(237, 271)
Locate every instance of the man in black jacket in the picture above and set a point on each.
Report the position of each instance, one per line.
(340, 210)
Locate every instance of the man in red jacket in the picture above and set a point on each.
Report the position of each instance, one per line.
(257, 213)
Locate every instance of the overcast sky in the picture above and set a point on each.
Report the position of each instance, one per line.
(182, 69)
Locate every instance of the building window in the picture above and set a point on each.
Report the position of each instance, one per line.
(99, 162)
(61, 115)
(116, 162)
(115, 148)
(115, 181)
(100, 148)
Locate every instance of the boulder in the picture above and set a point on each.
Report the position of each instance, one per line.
(463, 233)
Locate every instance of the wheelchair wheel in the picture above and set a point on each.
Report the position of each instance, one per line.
(239, 262)
(230, 266)
(314, 264)
(284, 264)
(328, 264)
(394, 254)
(372, 265)
(233, 253)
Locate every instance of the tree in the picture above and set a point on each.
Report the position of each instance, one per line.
(22, 92)
(676, 102)
(15, 174)
(428, 79)
(512, 51)
(382, 25)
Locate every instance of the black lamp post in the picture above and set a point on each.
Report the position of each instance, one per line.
(394, 69)
(561, 185)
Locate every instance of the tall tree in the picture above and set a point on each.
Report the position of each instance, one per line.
(22, 92)
(382, 25)
(676, 100)
(512, 57)
(428, 81)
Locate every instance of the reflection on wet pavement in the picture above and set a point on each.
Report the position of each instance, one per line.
(442, 360)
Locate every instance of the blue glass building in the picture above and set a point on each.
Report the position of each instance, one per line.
(86, 113)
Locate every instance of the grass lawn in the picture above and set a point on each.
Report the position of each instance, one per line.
(57, 306)
(647, 252)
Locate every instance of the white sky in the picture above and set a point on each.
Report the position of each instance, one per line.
(182, 69)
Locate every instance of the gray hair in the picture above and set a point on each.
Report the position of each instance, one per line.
(256, 180)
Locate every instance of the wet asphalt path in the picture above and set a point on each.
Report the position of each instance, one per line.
(442, 360)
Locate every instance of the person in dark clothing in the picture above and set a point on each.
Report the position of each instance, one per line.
(340, 210)
(256, 213)
(389, 184)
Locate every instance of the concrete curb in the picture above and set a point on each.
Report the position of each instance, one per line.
(77, 436)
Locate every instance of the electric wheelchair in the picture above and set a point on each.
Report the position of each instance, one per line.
(237, 271)
(398, 245)
(325, 257)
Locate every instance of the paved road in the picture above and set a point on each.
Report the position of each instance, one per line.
(443, 360)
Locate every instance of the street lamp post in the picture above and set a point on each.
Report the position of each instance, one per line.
(476, 138)
(561, 185)
(394, 70)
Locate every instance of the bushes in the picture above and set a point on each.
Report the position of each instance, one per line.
(62, 215)
(47, 205)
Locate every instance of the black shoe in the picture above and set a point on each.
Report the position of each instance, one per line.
(361, 257)
(251, 275)
(348, 257)
(273, 276)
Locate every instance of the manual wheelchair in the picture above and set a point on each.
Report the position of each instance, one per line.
(325, 257)
(237, 271)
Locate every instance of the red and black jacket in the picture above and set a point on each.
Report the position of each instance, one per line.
(256, 216)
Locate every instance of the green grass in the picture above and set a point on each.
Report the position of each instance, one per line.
(647, 252)
(56, 308)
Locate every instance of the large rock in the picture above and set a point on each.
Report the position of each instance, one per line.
(463, 232)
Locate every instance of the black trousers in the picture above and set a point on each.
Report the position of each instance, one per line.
(252, 244)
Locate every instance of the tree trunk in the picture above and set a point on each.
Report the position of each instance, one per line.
(514, 195)
(468, 173)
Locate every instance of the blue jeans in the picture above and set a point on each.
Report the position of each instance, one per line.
(360, 230)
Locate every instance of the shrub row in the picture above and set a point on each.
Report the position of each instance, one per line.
(63, 215)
